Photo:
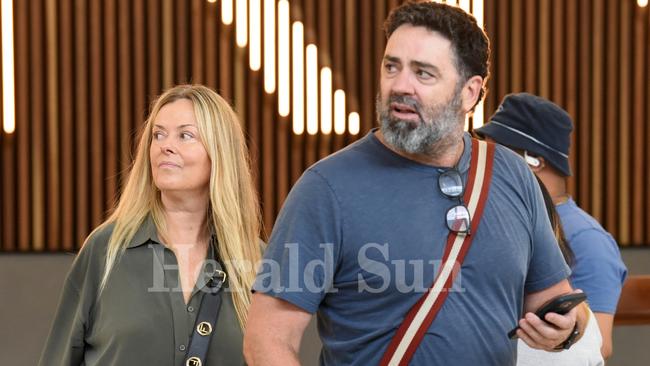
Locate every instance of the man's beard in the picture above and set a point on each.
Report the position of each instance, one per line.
(431, 135)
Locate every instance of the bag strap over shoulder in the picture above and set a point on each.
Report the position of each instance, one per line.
(420, 317)
(206, 321)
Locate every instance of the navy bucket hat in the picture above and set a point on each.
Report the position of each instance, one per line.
(539, 126)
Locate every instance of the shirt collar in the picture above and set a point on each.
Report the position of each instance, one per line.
(146, 232)
(465, 158)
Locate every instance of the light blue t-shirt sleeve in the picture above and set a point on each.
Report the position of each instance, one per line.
(547, 265)
(300, 260)
(598, 270)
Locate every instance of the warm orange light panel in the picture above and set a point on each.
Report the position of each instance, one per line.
(339, 112)
(312, 88)
(226, 12)
(464, 4)
(255, 21)
(8, 96)
(283, 59)
(269, 46)
(326, 100)
(354, 123)
(477, 11)
(298, 74)
(478, 118)
(241, 28)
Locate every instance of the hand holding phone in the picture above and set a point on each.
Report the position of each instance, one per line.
(561, 304)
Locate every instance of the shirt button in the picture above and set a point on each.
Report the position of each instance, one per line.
(181, 347)
(190, 309)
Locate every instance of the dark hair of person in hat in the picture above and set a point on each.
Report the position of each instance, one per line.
(554, 218)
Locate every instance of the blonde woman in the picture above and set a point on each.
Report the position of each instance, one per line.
(135, 289)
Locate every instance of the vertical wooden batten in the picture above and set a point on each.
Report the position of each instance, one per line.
(611, 116)
(67, 130)
(594, 131)
(38, 127)
(638, 193)
(83, 221)
(110, 103)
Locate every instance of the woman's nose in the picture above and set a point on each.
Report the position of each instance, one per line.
(167, 149)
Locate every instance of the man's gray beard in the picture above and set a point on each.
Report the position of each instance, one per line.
(434, 133)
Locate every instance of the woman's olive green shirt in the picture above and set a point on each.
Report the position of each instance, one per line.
(140, 317)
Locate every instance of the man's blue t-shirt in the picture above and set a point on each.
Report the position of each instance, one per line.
(362, 233)
(598, 269)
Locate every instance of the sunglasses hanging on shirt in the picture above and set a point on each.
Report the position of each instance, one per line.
(451, 185)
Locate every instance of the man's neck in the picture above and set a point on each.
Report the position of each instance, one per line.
(441, 156)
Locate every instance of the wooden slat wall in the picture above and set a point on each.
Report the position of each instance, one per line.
(590, 57)
(86, 71)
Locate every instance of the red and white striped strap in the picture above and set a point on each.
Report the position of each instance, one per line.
(421, 315)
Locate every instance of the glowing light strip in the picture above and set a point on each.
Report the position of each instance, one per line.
(283, 58)
(311, 72)
(8, 96)
(326, 100)
(339, 112)
(242, 26)
(642, 3)
(298, 79)
(464, 4)
(255, 22)
(478, 118)
(477, 11)
(269, 46)
(354, 123)
(226, 12)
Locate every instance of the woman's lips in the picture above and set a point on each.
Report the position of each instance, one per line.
(168, 164)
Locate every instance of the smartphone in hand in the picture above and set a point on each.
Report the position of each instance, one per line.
(561, 304)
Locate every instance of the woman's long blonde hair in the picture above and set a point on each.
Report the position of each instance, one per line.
(233, 211)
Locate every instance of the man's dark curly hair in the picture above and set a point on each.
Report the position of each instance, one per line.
(469, 43)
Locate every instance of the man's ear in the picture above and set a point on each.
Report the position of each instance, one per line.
(471, 91)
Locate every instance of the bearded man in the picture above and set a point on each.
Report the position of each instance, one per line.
(361, 236)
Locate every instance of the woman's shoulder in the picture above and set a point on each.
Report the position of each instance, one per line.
(93, 251)
(88, 264)
(99, 237)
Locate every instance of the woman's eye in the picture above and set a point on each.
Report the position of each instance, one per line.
(157, 135)
(186, 135)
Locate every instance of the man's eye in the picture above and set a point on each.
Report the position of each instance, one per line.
(424, 74)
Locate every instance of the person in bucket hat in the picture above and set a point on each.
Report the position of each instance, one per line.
(538, 126)
(540, 131)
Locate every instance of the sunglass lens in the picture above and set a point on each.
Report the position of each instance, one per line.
(451, 184)
(458, 219)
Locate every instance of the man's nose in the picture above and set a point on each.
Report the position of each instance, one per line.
(403, 84)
